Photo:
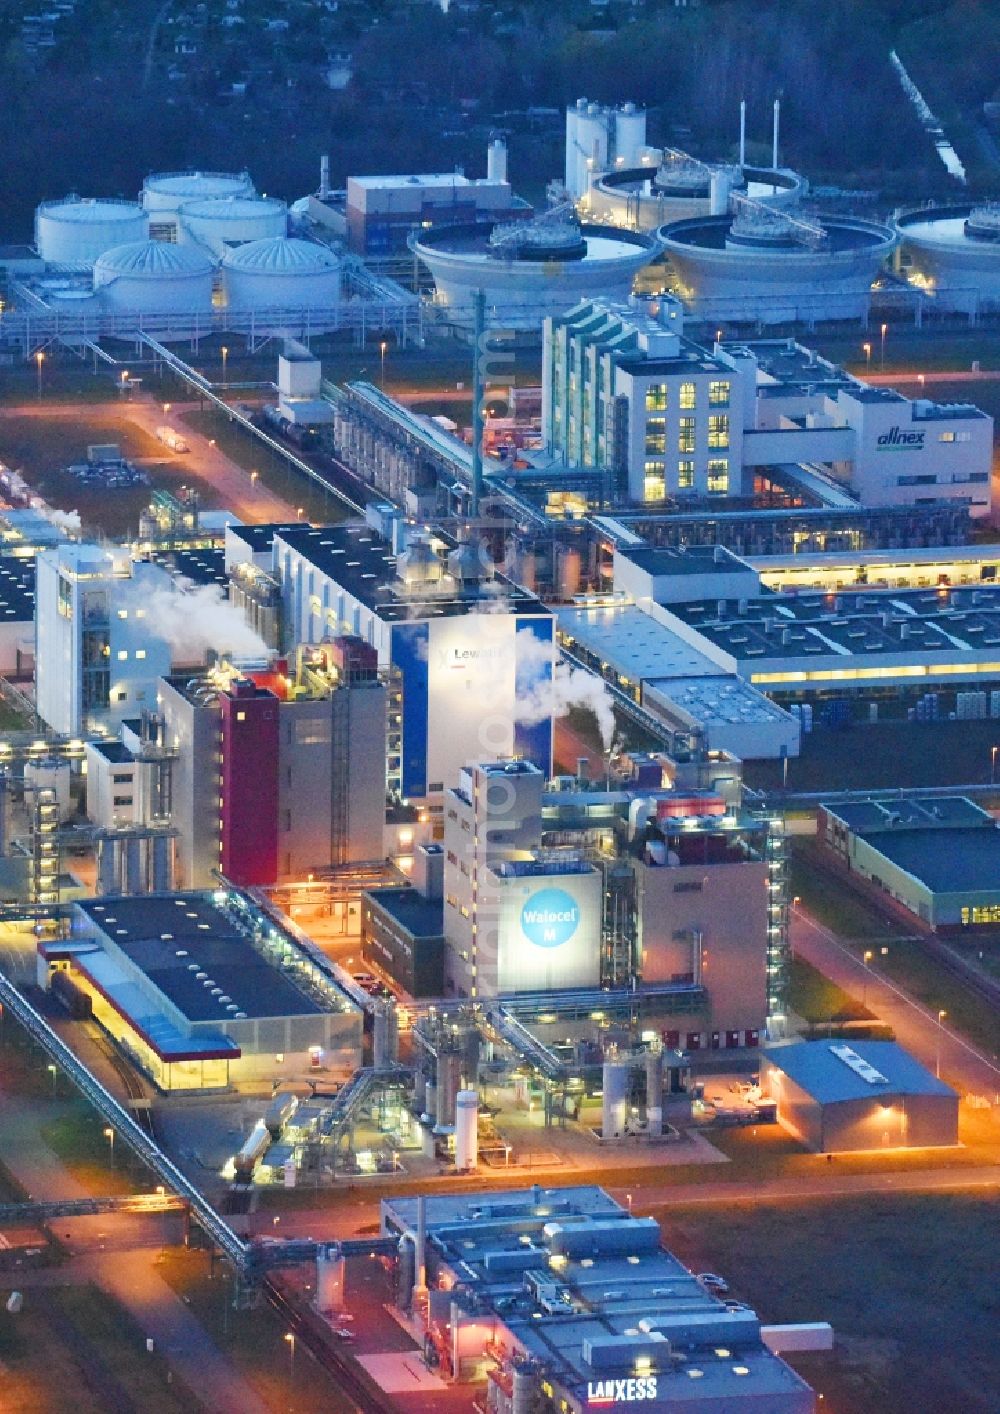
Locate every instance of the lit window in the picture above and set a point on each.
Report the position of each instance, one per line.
(140, 652)
(122, 655)
(685, 474)
(654, 481)
(718, 430)
(946, 436)
(688, 395)
(656, 397)
(241, 716)
(718, 393)
(718, 476)
(656, 436)
(123, 613)
(686, 434)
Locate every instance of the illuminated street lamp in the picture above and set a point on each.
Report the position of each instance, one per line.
(864, 985)
(885, 330)
(225, 356)
(867, 349)
(993, 765)
(254, 476)
(39, 360)
(382, 348)
(109, 1135)
(53, 1072)
(937, 1060)
(290, 1337)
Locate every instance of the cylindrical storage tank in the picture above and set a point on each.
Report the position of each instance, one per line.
(449, 1069)
(107, 866)
(405, 1272)
(654, 1093)
(167, 287)
(135, 865)
(164, 193)
(720, 187)
(76, 230)
(496, 161)
(55, 776)
(953, 254)
(630, 134)
(419, 1090)
(163, 864)
(385, 1036)
(430, 1100)
(614, 1102)
(330, 1278)
(297, 278)
(222, 223)
(466, 1130)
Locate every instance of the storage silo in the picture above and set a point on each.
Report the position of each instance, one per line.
(153, 278)
(164, 193)
(952, 254)
(221, 223)
(75, 231)
(295, 279)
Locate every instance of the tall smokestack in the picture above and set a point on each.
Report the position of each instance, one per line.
(743, 132)
(774, 139)
(420, 1252)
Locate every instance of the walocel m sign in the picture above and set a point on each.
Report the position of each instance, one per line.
(896, 440)
(605, 1394)
(550, 918)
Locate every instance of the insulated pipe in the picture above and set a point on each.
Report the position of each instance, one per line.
(774, 138)
(743, 133)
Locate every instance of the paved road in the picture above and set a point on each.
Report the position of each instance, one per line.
(916, 1028)
(249, 500)
(118, 1252)
(934, 376)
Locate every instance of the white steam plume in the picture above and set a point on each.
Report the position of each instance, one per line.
(557, 687)
(196, 618)
(69, 521)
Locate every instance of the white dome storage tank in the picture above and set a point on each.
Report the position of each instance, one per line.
(284, 274)
(953, 254)
(220, 223)
(154, 278)
(75, 231)
(530, 269)
(164, 193)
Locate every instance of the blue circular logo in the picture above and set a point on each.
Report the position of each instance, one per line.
(550, 918)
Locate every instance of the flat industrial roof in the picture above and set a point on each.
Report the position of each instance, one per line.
(17, 589)
(131, 1001)
(948, 861)
(421, 917)
(586, 1288)
(726, 701)
(817, 1068)
(683, 560)
(895, 812)
(634, 643)
(362, 563)
(199, 566)
(260, 538)
(174, 938)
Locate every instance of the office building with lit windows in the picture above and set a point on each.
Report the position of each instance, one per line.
(666, 420)
(622, 389)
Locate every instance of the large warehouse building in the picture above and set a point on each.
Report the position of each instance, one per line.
(204, 989)
(841, 1098)
(938, 859)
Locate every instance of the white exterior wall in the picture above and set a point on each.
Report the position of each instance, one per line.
(193, 734)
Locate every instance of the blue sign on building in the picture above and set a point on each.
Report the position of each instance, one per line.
(550, 918)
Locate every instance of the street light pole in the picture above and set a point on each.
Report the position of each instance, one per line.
(109, 1135)
(290, 1337)
(53, 1072)
(382, 348)
(993, 765)
(885, 330)
(864, 984)
(225, 356)
(937, 1060)
(39, 360)
(867, 351)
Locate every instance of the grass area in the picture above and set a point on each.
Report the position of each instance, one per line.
(75, 1133)
(838, 907)
(74, 1346)
(253, 1339)
(816, 999)
(909, 350)
(63, 381)
(896, 1276)
(275, 473)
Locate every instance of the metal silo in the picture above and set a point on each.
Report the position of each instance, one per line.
(75, 231)
(222, 223)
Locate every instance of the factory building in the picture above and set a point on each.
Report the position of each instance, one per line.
(382, 211)
(472, 651)
(839, 1098)
(17, 614)
(98, 654)
(918, 568)
(277, 772)
(203, 990)
(671, 891)
(625, 393)
(560, 1300)
(402, 928)
(937, 860)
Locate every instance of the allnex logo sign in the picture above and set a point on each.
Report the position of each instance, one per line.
(896, 440)
(606, 1393)
(550, 918)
